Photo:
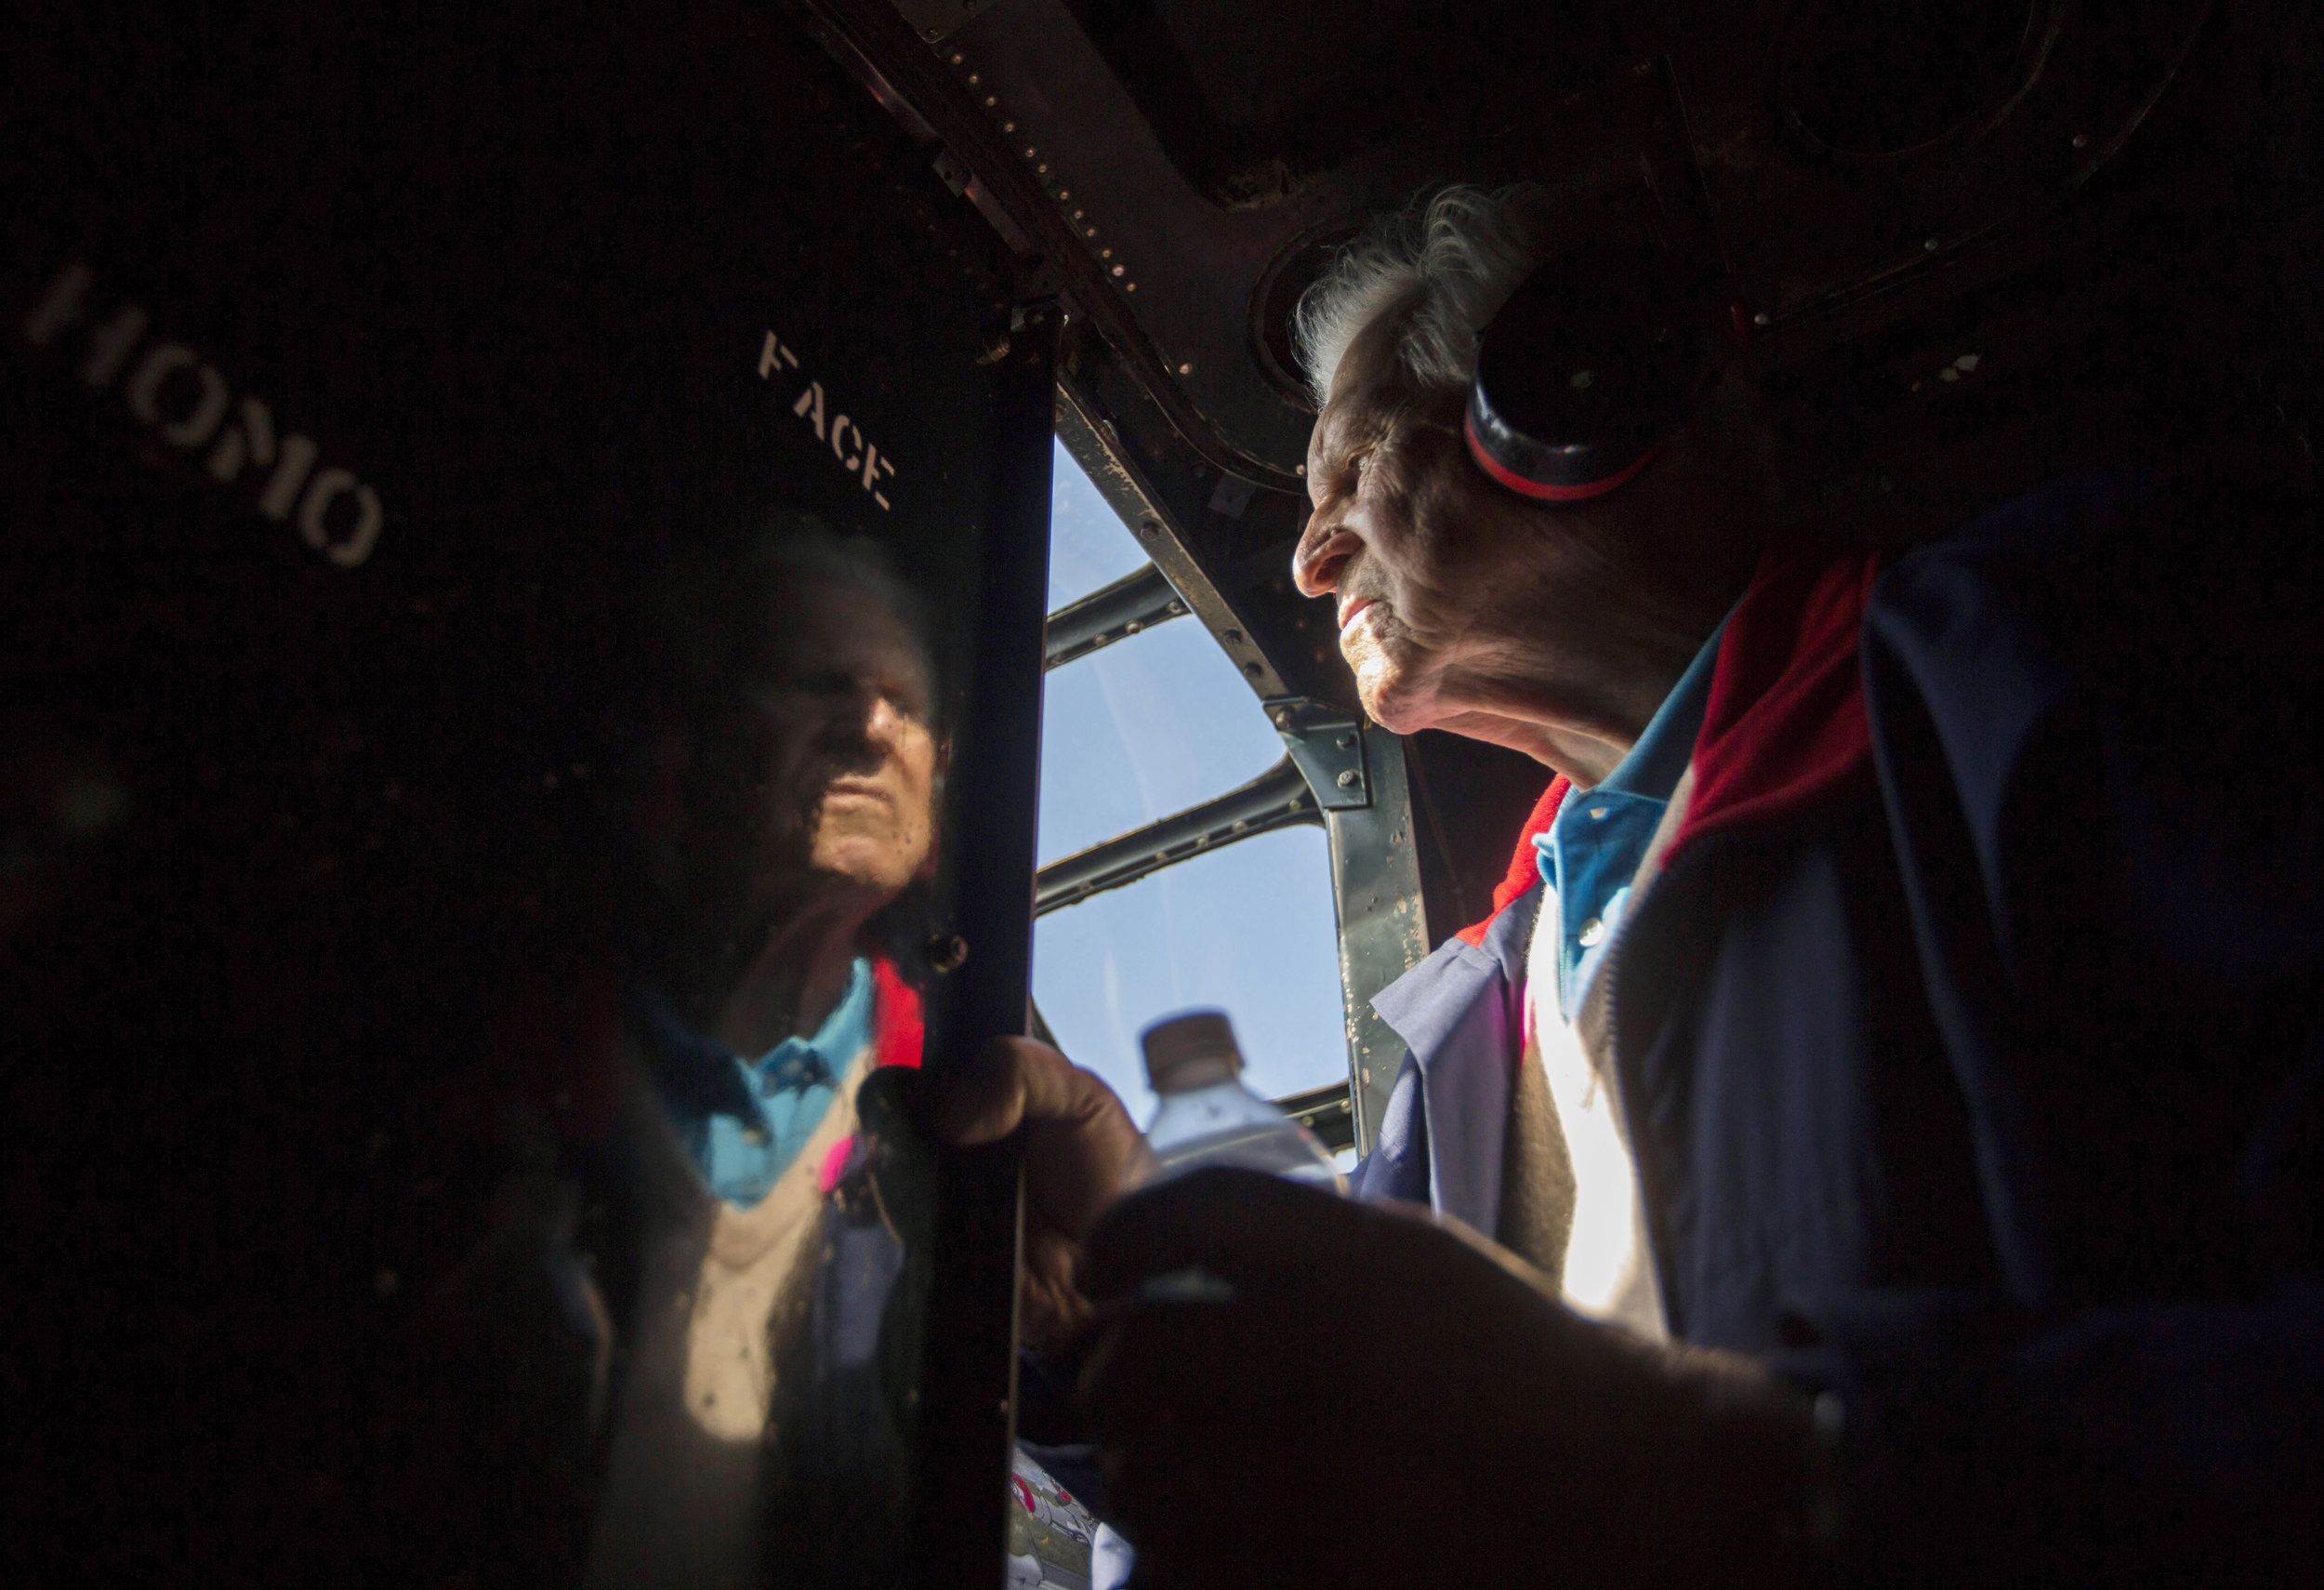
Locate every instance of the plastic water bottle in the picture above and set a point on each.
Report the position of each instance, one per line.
(1208, 1117)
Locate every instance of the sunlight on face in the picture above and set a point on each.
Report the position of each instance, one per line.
(850, 707)
(1434, 571)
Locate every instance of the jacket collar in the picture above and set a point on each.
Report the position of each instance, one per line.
(1415, 1004)
(1784, 726)
(1785, 729)
(1458, 1012)
(1525, 866)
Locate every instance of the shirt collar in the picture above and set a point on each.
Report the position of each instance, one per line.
(1591, 851)
(1658, 759)
(802, 1062)
(702, 1076)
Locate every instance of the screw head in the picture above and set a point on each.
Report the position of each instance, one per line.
(1349, 779)
(1186, 369)
(2081, 140)
(946, 951)
(1929, 244)
(1761, 318)
(1149, 527)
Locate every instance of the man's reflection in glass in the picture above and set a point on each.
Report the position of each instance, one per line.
(792, 826)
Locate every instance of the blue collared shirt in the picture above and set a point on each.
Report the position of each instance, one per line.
(1591, 851)
(744, 1121)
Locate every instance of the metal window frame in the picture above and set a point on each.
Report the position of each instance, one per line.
(1351, 776)
(1131, 605)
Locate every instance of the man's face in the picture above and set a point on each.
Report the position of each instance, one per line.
(851, 759)
(1442, 579)
(1552, 631)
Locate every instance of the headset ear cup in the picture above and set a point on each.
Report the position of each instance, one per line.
(1548, 491)
(1584, 373)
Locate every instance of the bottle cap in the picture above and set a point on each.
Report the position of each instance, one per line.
(1191, 1051)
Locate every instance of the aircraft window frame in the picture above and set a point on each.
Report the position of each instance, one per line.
(1282, 796)
(1381, 916)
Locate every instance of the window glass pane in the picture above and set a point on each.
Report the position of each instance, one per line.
(1246, 930)
(1088, 545)
(1144, 729)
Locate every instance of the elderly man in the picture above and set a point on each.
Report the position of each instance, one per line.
(1896, 1051)
(800, 796)
(795, 802)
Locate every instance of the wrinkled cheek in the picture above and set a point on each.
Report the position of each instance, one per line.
(1391, 692)
(914, 853)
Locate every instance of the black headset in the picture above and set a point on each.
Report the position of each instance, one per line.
(1588, 369)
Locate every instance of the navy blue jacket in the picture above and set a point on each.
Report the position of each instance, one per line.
(1979, 1079)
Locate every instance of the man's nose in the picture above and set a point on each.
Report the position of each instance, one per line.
(1326, 544)
(883, 724)
(859, 728)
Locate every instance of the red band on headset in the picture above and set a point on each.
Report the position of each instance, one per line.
(1535, 489)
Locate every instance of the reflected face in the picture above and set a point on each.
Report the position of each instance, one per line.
(852, 761)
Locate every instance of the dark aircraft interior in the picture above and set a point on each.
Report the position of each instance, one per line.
(398, 397)
(1966, 240)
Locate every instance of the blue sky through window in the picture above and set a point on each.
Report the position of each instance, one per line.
(1142, 729)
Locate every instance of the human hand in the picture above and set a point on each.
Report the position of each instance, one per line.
(1081, 1152)
(1354, 1395)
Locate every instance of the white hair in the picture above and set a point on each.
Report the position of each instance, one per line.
(1452, 257)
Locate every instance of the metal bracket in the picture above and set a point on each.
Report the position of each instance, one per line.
(1376, 894)
(1328, 746)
